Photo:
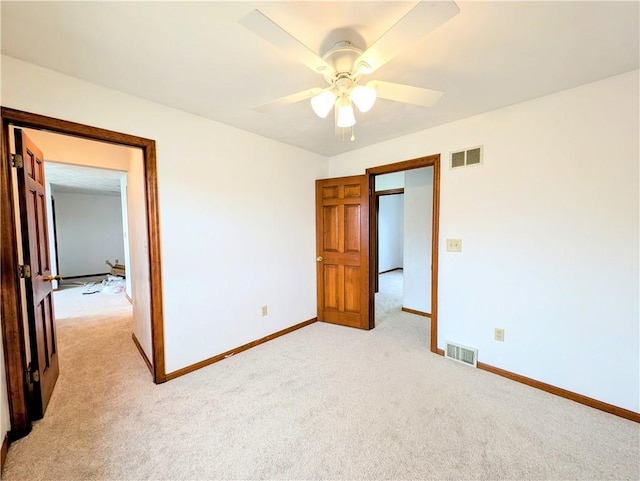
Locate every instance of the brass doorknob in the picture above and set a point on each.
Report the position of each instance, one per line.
(51, 278)
(319, 259)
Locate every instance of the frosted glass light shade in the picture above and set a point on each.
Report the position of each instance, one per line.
(345, 116)
(323, 103)
(363, 97)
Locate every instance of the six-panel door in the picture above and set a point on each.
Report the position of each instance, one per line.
(35, 246)
(342, 238)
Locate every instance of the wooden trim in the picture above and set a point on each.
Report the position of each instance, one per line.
(374, 242)
(4, 451)
(142, 353)
(391, 270)
(224, 355)
(428, 161)
(65, 278)
(155, 256)
(440, 352)
(558, 391)
(390, 192)
(12, 328)
(39, 122)
(405, 165)
(435, 236)
(418, 313)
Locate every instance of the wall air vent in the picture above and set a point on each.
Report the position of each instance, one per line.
(463, 354)
(463, 158)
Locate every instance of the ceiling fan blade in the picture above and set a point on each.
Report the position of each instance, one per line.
(288, 100)
(422, 19)
(273, 33)
(406, 93)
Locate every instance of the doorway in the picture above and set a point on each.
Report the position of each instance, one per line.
(390, 241)
(97, 248)
(101, 223)
(13, 329)
(432, 161)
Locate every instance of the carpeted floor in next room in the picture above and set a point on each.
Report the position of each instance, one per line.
(324, 402)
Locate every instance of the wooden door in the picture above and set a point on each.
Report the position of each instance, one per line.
(342, 239)
(38, 290)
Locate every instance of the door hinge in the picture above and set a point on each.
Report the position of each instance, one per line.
(34, 374)
(24, 271)
(17, 161)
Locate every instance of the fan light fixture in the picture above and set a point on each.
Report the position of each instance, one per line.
(344, 113)
(343, 99)
(323, 103)
(363, 97)
(345, 63)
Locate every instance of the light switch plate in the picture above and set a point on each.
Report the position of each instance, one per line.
(454, 245)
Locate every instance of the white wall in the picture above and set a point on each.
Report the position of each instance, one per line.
(89, 230)
(394, 180)
(237, 213)
(125, 233)
(418, 201)
(549, 229)
(139, 253)
(390, 232)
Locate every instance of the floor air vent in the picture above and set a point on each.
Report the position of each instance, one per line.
(463, 354)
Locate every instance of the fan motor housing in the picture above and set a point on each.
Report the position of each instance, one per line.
(342, 56)
(344, 83)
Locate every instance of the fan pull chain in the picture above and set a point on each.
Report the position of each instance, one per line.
(353, 136)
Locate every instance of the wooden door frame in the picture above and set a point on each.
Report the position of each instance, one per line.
(429, 161)
(10, 304)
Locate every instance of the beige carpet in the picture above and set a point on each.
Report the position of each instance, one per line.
(324, 402)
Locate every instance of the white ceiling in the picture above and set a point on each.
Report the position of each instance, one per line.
(80, 179)
(196, 57)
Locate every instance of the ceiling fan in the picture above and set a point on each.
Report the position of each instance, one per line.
(345, 64)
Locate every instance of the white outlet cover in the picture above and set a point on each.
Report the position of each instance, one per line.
(454, 245)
